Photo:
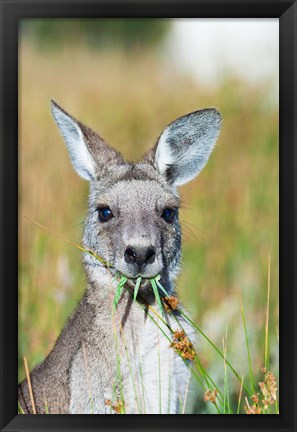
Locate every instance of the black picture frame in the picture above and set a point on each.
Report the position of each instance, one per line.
(11, 13)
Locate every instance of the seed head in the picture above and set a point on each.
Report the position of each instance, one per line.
(268, 388)
(255, 408)
(117, 406)
(211, 396)
(182, 345)
(170, 303)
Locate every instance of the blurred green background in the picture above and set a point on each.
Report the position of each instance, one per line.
(116, 76)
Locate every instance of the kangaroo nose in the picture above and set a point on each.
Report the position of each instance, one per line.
(140, 255)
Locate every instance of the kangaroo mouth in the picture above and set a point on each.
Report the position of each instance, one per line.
(144, 288)
(144, 284)
(145, 291)
(132, 278)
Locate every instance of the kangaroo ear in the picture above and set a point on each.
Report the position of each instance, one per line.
(186, 144)
(88, 152)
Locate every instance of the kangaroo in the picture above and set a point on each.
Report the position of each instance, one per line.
(107, 359)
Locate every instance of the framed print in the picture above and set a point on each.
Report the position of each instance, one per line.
(148, 191)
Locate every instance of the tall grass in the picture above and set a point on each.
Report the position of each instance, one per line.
(229, 214)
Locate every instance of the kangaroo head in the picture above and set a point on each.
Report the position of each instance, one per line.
(132, 220)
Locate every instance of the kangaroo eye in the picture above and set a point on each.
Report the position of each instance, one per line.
(105, 214)
(168, 214)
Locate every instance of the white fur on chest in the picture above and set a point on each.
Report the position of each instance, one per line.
(135, 364)
(164, 371)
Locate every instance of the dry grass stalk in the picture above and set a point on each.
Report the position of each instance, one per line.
(255, 408)
(29, 385)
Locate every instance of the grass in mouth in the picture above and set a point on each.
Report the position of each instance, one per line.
(154, 283)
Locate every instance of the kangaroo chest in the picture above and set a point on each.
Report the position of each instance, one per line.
(127, 364)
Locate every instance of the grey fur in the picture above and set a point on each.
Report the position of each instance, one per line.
(80, 373)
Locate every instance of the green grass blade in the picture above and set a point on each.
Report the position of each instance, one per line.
(276, 407)
(266, 355)
(117, 295)
(159, 376)
(227, 409)
(240, 396)
(130, 368)
(162, 288)
(168, 338)
(118, 378)
(169, 388)
(119, 291)
(153, 319)
(214, 347)
(137, 285)
(248, 349)
(187, 390)
(46, 407)
(208, 380)
(156, 292)
(20, 409)
(142, 383)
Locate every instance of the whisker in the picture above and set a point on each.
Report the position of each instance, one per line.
(190, 232)
(79, 224)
